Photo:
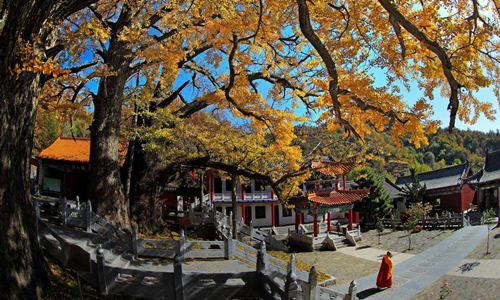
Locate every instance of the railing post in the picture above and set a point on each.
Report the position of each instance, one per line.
(261, 267)
(101, 270)
(229, 246)
(291, 265)
(352, 291)
(88, 216)
(182, 248)
(77, 200)
(37, 220)
(264, 254)
(179, 290)
(313, 283)
(134, 241)
(261, 262)
(251, 229)
(291, 287)
(62, 210)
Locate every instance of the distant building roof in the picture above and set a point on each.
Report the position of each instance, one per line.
(76, 150)
(437, 179)
(331, 198)
(392, 190)
(490, 171)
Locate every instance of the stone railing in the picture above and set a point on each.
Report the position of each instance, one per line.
(272, 277)
(182, 248)
(259, 235)
(447, 221)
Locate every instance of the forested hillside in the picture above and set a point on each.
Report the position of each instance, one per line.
(381, 153)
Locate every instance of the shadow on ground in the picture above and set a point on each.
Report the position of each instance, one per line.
(368, 292)
(468, 267)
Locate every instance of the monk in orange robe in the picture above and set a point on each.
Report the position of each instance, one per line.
(384, 278)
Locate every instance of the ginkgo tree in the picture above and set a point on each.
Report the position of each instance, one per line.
(230, 48)
(28, 35)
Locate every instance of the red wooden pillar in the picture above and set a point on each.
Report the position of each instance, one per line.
(337, 184)
(211, 185)
(317, 187)
(272, 215)
(350, 218)
(329, 221)
(315, 220)
(297, 221)
(343, 179)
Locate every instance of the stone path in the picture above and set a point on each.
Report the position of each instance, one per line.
(416, 274)
(374, 254)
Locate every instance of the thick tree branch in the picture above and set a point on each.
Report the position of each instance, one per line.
(436, 49)
(331, 67)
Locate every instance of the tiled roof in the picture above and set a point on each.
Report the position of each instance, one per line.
(333, 168)
(76, 150)
(437, 179)
(332, 198)
(392, 190)
(490, 171)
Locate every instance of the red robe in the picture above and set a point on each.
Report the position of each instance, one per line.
(384, 278)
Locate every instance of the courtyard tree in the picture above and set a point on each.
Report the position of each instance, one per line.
(416, 212)
(380, 228)
(28, 35)
(377, 204)
(489, 219)
(414, 191)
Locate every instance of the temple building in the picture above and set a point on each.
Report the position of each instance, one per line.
(397, 195)
(446, 189)
(257, 203)
(486, 183)
(63, 167)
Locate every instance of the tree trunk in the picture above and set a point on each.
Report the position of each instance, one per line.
(24, 270)
(106, 186)
(234, 205)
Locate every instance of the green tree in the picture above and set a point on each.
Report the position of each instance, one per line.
(380, 228)
(414, 191)
(378, 204)
(416, 212)
(489, 219)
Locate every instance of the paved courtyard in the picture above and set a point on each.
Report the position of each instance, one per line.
(475, 277)
(416, 274)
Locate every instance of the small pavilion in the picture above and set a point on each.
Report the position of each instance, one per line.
(324, 203)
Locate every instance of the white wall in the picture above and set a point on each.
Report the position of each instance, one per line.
(285, 220)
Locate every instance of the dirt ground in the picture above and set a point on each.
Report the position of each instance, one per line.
(398, 240)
